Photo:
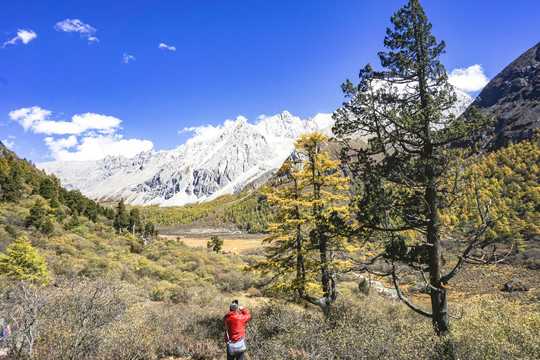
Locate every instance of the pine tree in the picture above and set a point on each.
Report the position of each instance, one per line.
(150, 229)
(38, 214)
(22, 261)
(403, 171)
(215, 243)
(11, 185)
(135, 223)
(121, 219)
(303, 243)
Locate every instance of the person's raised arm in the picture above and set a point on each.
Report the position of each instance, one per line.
(245, 314)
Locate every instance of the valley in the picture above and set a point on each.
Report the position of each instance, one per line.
(404, 226)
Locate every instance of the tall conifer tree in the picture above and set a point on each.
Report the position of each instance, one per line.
(403, 171)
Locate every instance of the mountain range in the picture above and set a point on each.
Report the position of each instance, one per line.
(200, 170)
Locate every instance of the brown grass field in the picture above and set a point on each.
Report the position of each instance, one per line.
(232, 245)
(472, 281)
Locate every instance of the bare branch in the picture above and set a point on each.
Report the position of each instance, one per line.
(405, 301)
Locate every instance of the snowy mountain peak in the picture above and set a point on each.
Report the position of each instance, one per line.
(211, 164)
(215, 161)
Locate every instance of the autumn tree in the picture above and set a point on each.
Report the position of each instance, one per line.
(403, 172)
(304, 248)
(22, 261)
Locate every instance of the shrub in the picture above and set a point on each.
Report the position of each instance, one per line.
(234, 281)
(252, 292)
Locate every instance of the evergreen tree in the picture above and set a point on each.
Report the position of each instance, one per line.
(38, 214)
(121, 219)
(403, 171)
(150, 229)
(303, 243)
(48, 189)
(135, 223)
(22, 261)
(215, 243)
(11, 185)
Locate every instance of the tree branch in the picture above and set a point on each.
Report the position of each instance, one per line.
(405, 301)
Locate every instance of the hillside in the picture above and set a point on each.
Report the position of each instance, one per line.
(513, 99)
(110, 278)
(79, 237)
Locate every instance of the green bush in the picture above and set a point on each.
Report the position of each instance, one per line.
(234, 281)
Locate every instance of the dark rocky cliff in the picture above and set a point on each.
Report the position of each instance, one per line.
(513, 98)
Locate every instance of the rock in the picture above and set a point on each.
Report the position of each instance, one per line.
(423, 288)
(516, 285)
(252, 292)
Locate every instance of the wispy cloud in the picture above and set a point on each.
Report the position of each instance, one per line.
(22, 35)
(9, 144)
(76, 25)
(126, 58)
(165, 46)
(468, 79)
(207, 132)
(91, 136)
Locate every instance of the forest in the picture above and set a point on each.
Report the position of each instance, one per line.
(453, 232)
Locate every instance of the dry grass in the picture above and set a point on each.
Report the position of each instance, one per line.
(232, 245)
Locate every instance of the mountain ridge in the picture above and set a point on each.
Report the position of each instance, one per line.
(513, 98)
(203, 168)
(197, 171)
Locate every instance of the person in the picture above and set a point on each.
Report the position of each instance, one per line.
(5, 334)
(234, 327)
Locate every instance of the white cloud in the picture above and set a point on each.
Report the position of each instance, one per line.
(165, 46)
(96, 147)
(22, 35)
(8, 144)
(27, 117)
(37, 120)
(126, 58)
(468, 79)
(208, 132)
(76, 25)
(59, 145)
(92, 136)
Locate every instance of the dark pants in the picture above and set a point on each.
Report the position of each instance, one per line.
(235, 357)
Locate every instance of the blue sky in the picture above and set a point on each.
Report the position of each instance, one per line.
(82, 79)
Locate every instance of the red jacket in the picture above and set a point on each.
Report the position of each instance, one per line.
(235, 324)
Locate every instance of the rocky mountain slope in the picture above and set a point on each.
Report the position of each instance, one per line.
(200, 170)
(513, 98)
(196, 171)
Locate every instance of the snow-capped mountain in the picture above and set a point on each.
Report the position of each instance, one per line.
(199, 170)
(204, 168)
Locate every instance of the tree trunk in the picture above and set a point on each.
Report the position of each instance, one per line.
(438, 294)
